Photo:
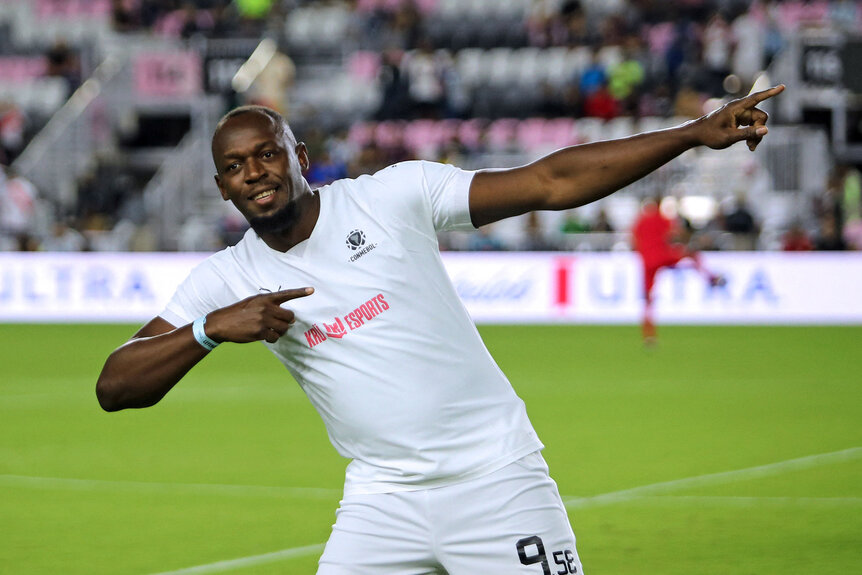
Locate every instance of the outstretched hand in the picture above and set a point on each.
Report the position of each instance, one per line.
(255, 318)
(737, 120)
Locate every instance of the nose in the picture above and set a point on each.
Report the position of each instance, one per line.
(254, 170)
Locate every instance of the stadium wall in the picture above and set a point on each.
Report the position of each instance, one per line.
(497, 287)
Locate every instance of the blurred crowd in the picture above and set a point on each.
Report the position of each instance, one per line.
(672, 57)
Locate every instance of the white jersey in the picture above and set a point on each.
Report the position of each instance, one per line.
(384, 348)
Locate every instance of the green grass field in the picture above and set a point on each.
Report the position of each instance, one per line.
(723, 450)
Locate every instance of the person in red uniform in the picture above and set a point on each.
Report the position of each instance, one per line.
(657, 241)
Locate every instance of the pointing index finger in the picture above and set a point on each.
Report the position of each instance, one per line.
(758, 97)
(282, 296)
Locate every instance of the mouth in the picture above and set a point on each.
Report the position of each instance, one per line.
(263, 197)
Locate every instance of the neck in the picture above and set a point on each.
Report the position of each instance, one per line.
(307, 212)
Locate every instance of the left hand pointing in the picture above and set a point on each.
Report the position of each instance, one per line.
(737, 120)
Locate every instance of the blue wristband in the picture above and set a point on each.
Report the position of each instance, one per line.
(201, 335)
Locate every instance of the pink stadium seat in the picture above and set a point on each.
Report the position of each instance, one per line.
(421, 134)
(72, 8)
(388, 134)
(21, 69)
(501, 133)
(531, 134)
(364, 65)
(470, 133)
(560, 132)
(538, 135)
(361, 133)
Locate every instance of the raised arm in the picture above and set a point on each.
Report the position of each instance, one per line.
(578, 175)
(140, 372)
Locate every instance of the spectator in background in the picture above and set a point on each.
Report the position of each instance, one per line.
(600, 103)
(741, 224)
(850, 189)
(748, 50)
(718, 43)
(796, 239)
(326, 169)
(123, 16)
(601, 223)
(656, 102)
(253, 14)
(272, 86)
(573, 223)
(594, 76)
(829, 236)
(484, 240)
(535, 239)
(424, 71)
(12, 123)
(63, 238)
(626, 77)
(393, 85)
(17, 212)
(845, 14)
(63, 62)
(688, 102)
(852, 233)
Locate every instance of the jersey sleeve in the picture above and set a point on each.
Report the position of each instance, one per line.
(448, 189)
(201, 292)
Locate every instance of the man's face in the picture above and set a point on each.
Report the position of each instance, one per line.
(259, 170)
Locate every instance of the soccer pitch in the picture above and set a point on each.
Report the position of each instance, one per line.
(723, 450)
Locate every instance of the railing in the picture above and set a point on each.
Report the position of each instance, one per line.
(183, 186)
(81, 130)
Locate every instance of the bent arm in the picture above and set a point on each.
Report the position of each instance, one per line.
(578, 175)
(140, 372)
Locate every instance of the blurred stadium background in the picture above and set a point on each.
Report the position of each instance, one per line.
(727, 448)
(107, 106)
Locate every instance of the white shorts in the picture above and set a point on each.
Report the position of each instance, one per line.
(511, 521)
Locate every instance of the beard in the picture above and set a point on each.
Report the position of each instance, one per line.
(276, 222)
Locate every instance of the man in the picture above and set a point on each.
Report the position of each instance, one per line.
(657, 239)
(347, 288)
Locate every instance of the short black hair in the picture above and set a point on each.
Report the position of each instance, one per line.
(277, 119)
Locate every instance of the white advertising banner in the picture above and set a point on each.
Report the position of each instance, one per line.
(761, 287)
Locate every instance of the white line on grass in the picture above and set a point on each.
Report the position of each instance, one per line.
(69, 484)
(715, 478)
(247, 561)
(644, 492)
(745, 501)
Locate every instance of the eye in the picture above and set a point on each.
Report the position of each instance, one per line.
(232, 167)
(268, 154)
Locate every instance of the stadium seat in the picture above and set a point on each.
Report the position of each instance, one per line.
(558, 70)
(610, 56)
(590, 130)
(621, 127)
(388, 134)
(529, 66)
(578, 60)
(501, 71)
(471, 66)
(422, 135)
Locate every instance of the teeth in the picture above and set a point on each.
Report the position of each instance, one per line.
(262, 195)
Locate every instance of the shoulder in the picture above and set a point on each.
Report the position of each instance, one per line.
(415, 169)
(224, 261)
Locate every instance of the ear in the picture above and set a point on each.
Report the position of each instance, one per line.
(221, 190)
(302, 156)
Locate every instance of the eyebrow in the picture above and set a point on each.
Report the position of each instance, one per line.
(232, 154)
